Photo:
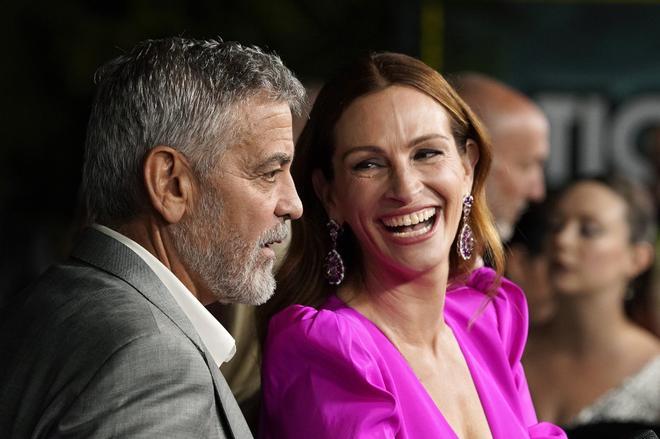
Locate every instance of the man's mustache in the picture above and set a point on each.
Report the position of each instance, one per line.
(277, 233)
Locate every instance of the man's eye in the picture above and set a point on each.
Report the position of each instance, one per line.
(270, 176)
(425, 154)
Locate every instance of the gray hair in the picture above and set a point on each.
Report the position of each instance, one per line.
(177, 92)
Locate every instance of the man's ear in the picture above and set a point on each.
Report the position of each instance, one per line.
(323, 190)
(470, 159)
(169, 182)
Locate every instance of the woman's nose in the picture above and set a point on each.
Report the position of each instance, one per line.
(405, 183)
(562, 236)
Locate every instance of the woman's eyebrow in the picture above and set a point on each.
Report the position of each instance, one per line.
(378, 149)
(426, 137)
(366, 148)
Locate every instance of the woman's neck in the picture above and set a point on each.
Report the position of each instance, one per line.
(408, 309)
(589, 323)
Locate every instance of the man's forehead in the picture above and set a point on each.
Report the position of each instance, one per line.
(258, 153)
(258, 113)
(524, 121)
(265, 135)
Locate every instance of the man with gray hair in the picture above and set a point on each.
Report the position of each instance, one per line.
(520, 137)
(186, 179)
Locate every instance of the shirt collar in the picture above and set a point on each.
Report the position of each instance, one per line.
(215, 337)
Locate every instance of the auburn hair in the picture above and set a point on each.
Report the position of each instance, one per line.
(300, 277)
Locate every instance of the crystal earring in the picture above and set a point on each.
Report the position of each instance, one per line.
(334, 265)
(466, 238)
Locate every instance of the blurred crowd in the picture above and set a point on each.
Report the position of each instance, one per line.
(585, 256)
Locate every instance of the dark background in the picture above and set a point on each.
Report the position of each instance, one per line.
(587, 63)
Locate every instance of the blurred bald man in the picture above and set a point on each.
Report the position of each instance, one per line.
(519, 132)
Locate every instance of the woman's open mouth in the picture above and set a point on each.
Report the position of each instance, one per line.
(411, 224)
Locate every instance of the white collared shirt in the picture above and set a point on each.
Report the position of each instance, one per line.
(215, 337)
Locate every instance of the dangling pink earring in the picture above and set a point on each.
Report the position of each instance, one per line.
(334, 265)
(466, 238)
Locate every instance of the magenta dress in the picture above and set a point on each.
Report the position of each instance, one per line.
(331, 373)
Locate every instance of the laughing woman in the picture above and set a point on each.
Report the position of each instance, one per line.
(395, 332)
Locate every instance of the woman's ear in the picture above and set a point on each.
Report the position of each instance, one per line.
(324, 192)
(470, 160)
(643, 254)
(169, 182)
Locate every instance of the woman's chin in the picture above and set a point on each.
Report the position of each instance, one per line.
(415, 264)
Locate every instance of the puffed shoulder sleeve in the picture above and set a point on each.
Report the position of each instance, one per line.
(512, 323)
(321, 380)
(512, 319)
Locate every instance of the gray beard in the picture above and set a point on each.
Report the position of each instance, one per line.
(232, 269)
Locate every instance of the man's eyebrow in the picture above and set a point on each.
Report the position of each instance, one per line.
(279, 158)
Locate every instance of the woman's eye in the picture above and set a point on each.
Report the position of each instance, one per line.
(366, 165)
(425, 154)
(589, 230)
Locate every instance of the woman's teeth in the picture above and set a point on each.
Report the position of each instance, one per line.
(410, 219)
(413, 224)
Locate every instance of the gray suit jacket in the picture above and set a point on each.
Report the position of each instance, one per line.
(98, 347)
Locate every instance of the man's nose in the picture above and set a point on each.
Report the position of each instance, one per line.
(536, 188)
(289, 204)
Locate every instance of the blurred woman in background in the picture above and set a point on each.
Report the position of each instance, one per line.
(592, 364)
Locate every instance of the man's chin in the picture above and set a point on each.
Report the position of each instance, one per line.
(264, 288)
(505, 229)
(261, 299)
(252, 300)
(257, 289)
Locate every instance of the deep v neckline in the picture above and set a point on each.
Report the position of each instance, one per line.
(467, 357)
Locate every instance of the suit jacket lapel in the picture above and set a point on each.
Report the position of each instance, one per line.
(110, 255)
(233, 416)
(107, 254)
